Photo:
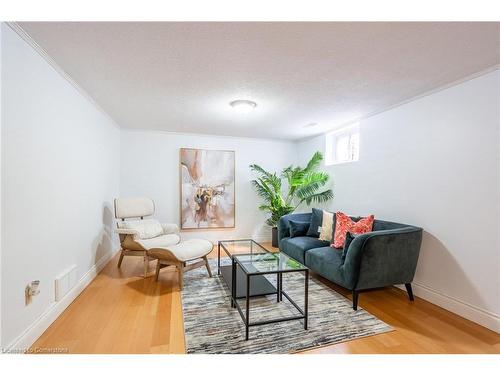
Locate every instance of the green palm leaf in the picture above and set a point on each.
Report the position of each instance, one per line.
(319, 198)
(257, 168)
(302, 183)
(262, 191)
(315, 162)
(311, 184)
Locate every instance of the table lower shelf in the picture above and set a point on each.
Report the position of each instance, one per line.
(260, 286)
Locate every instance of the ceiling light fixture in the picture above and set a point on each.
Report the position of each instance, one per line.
(243, 106)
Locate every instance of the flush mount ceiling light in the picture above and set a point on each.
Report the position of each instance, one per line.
(243, 106)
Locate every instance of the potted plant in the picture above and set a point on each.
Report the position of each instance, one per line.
(302, 186)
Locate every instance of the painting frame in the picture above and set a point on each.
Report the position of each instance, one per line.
(181, 192)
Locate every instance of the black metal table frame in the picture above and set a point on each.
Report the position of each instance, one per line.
(279, 296)
(220, 243)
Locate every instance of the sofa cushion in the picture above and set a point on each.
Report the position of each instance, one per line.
(284, 223)
(296, 247)
(316, 221)
(328, 263)
(327, 226)
(298, 228)
(345, 224)
(348, 239)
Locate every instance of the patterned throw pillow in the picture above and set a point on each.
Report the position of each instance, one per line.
(345, 224)
(326, 226)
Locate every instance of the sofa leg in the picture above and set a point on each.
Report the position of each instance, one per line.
(355, 300)
(410, 291)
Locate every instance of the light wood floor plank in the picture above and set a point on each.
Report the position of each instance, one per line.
(121, 312)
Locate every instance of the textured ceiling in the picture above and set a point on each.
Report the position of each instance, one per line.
(180, 77)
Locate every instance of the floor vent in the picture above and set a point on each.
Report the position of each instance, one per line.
(65, 282)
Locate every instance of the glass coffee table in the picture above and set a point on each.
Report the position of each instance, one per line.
(247, 276)
(260, 286)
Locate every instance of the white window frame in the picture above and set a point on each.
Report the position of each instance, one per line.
(332, 140)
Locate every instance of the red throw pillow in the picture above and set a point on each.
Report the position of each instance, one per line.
(344, 224)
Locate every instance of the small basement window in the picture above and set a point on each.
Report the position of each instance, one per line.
(342, 145)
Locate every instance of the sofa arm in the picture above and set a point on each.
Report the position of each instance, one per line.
(382, 258)
(170, 228)
(284, 226)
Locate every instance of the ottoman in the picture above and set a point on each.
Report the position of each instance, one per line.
(180, 254)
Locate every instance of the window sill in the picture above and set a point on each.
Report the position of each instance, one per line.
(340, 162)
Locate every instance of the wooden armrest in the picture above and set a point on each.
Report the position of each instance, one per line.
(126, 231)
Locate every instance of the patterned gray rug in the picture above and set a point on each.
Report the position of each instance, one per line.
(212, 326)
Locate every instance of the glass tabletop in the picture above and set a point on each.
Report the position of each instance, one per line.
(255, 264)
(233, 247)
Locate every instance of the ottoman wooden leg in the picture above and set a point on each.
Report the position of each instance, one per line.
(208, 266)
(146, 264)
(158, 266)
(180, 268)
(121, 258)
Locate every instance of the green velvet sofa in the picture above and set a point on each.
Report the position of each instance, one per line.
(386, 256)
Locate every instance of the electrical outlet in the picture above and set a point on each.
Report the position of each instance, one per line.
(30, 291)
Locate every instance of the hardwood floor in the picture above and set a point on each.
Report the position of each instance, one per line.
(121, 312)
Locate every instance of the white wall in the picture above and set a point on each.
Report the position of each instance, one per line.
(150, 167)
(1, 121)
(60, 173)
(434, 162)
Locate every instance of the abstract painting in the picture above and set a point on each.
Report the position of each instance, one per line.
(207, 189)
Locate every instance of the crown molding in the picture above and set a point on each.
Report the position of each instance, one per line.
(406, 101)
(14, 26)
(28, 39)
(208, 135)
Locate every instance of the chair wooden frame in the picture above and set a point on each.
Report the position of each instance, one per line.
(135, 208)
(137, 253)
(165, 258)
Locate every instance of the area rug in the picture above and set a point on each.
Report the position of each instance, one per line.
(211, 326)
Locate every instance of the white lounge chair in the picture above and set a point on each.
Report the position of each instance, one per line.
(152, 240)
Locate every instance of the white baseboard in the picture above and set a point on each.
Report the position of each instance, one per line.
(35, 330)
(466, 310)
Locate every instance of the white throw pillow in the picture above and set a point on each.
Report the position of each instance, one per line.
(326, 228)
(148, 228)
